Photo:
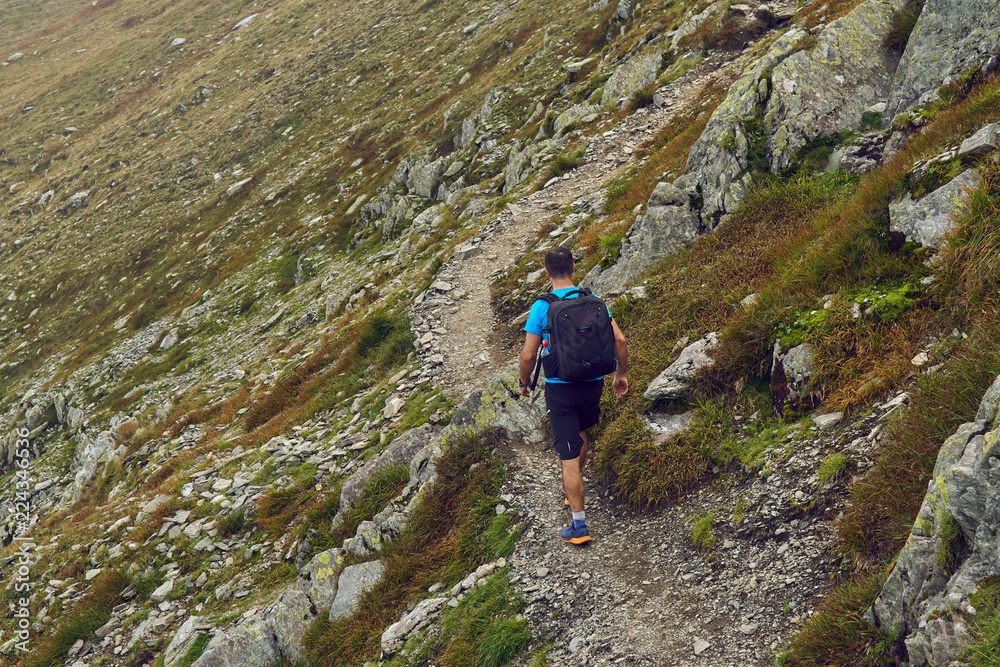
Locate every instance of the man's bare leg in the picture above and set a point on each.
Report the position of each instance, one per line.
(572, 474)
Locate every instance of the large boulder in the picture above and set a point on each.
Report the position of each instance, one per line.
(420, 175)
(90, 456)
(719, 162)
(355, 581)
(635, 73)
(791, 378)
(929, 219)
(318, 579)
(949, 38)
(674, 382)
(824, 90)
(922, 599)
(290, 617)
(249, 643)
(578, 113)
(670, 224)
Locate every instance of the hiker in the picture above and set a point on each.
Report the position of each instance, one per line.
(573, 406)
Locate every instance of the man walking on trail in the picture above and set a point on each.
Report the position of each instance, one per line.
(573, 407)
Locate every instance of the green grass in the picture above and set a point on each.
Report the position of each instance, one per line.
(482, 630)
(985, 625)
(454, 530)
(701, 532)
(837, 635)
(90, 613)
(195, 650)
(832, 468)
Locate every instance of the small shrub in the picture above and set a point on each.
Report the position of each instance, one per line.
(701, 532)
(953, 547)
(832, 468)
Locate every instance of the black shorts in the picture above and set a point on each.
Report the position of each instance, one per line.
(572, 407)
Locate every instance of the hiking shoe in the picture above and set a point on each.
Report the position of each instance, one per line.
(575, 535)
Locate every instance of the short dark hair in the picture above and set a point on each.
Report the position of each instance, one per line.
(559, 262)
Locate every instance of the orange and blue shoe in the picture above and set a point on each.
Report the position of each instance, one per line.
(576, 533)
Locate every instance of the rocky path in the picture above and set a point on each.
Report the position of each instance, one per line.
(642, 593)
(455, 317)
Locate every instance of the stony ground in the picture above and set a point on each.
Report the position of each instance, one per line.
(641, 593)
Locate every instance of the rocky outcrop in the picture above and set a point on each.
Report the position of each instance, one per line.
(354, 582)
(91, 455)
(420, 175)
(791, 378)
(949, 39)
(788, 98)
(825, 90)
(519, 165)
(400, 451)
(926, 595)
(929, 219)
(669, 224)
(578, 113)
(637, 72)
(718, 164)
(675, 381)
(324, 583)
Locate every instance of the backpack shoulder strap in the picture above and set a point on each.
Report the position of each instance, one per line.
(548, 297)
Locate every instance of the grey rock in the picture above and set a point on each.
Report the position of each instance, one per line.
(927, 220)
(824, 90)
(183, 638)
(354, 582)
(396, 634)
(400, 451)
(719, 161)
(828, 420)
(919, 597)
(674, 381)
(421, 176)
(519, 165)
(665, 426)
(161, 593)
(290, 617)
(170, 339)
(79, 199)
(635, 73)
(949, 39)
(575, 114)
(669, 225)
(791, 374)
(74, 417)
(980, 143)
(701, 646)
(89, 456)
(990, 404)
(625, 8)
(250, 643)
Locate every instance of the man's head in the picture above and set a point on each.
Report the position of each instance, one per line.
(559, 262)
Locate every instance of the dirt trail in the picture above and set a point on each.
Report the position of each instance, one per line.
(469, 321)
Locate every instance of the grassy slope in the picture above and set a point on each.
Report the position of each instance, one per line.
(295, 131)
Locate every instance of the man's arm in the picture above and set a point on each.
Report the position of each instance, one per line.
(526, 362)
(620, 385)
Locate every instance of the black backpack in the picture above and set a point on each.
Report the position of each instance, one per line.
(581, 338)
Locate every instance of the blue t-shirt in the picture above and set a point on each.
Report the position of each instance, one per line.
(538, 319)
